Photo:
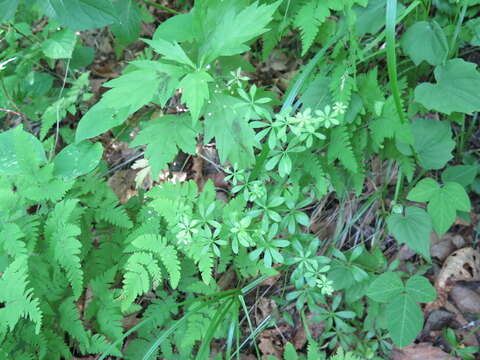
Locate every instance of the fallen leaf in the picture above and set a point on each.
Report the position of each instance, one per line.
(422, 351)
(466, 300)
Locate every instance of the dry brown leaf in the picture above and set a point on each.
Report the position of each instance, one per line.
(268, 347)
(422, 351)
(463, 264)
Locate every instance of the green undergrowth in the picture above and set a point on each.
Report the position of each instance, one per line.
(380, 115)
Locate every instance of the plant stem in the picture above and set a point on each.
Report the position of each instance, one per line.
(161, 7)
(457, 29)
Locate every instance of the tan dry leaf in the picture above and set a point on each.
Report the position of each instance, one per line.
(422, 351)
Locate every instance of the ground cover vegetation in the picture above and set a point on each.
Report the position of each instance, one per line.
(293, 162)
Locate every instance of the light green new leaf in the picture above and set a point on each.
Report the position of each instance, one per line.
(8, 9)
(425, 41)
(177, 28)
(19, 150)
(462, 174)
(170, 51)
(77, 159)
(80, 14)
(456, 89)
(423, 190)
(444, 204)
(223, 30)
(60, 45)
(128, 27)
(420, 289)
(433, 143)
(412, 229)
(405, 320)
(234, 138)
(385, 287)
(195, 91)
(163, 137)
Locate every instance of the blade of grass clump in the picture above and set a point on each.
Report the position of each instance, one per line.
(453, 48)
(250, 325)
(391, 56)
(214, 324)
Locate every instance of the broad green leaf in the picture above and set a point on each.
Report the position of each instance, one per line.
(420, 289)
(456, 89)
(195, 91)
(405, 320)
(234, 138)
(370, 19)
(128, 27)
(19, 151)
(425, 41)
(100, 118)
(164, 136)
(177, 28)
(424, 190)
(317, 95)
(462, 174)
(129, 93)
(60, 45)
(433, 143)
(80, 14)
(385, 287)
(444, 204)
(77, 159)
(412, 229)
(8, 9)
(223, 29)
(289, 353)
(170, 51)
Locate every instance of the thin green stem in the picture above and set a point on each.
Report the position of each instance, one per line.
(453, 48)
(161, 7)
(392, 58)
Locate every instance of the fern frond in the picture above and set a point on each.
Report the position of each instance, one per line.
(70, 322)
(115, 215)
(205, 265)
(309, 18)
(340, 147)
(17, 298)
(11, 236)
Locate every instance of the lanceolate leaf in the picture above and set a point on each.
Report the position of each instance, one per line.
(412, 229)
(456, 89)
(80, 14)
(405, 319)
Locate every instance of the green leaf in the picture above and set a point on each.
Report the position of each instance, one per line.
(385, 287)
(164, 136)
(195, 91)
(177, 28)
(425, 41)
(171, 51)
(19, 150)
(152, 81)
(9, 7)
(405, 320)
(462, 174)
(234, 138)
(77, 159)
(420, 289)
(223, 29)
(128, 27)
(456, 89)
(424, 190)
(309, 18)
(370, 19)
(289, 353)
(444, 204)
(433, 143)
(60, 45)
(80, 14)
(412, 229)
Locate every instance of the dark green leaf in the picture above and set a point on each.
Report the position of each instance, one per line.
(385, 287)
(424, 190)
(412, 229)
(462, 174)
(8, 9)
(420, 289)
(60, 45)
(425, 41)
(127, 28)
(77, 159)
(405, 320)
